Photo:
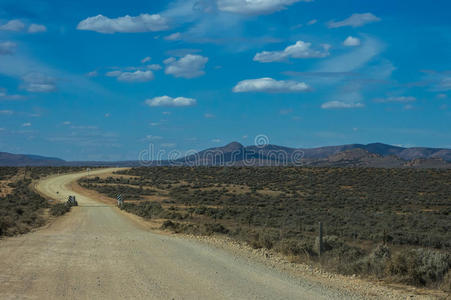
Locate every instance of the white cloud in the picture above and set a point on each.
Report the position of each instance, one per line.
(145, 59)
(439, 81)
(442, 96)
(209, 116)
(141, 23)
(168, 145)
(216, 140)
(137, 76)
(35, 28)
(270, 85)
(355, 20)
(353, 60)
(84, 127)
(169, 101)
(173, 37)
(351, 41)
(341, 104)
(6, 112)
(153, 137)
(396, 99)
(445, 84)
(254, 7)
(7, 48)
(169, 60)
(66, 123)
(113, 73)
(5, 96)
(26, 124)
(38, 83)
(189, 66)
(13, 25)
(299, 50)
(311, 22)
(93, 74)
(154, 67)
(285, 111)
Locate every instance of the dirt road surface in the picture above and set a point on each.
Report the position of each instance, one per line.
(97, 252)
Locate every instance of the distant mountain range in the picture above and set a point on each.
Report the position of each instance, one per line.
(9, 159)
(235, 154)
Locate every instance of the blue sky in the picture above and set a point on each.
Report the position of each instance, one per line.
(101, 80)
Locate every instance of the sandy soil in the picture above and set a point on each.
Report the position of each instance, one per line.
(97, 252)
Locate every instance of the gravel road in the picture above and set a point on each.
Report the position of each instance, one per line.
(97, 252)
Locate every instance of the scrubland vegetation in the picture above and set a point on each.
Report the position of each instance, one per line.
(21, 208)
(392, 224)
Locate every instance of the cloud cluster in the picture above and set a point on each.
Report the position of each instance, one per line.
(38, 83)
(136, 76)
(341, 104)
(141, 23)
(270, 85)
(17, 25)
(254, 7)
(299, 50)
(351, 41)
(189, 66)
(7, 48)
(170, 102)
(355, 20)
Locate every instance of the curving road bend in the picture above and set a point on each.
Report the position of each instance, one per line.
(96, 252)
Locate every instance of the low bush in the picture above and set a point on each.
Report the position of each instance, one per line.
(420, 266)
(374, 264)
(215, 228)
(147, 209)
(294, 247)
(182, 228)
(20, 210)
(59, 209)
